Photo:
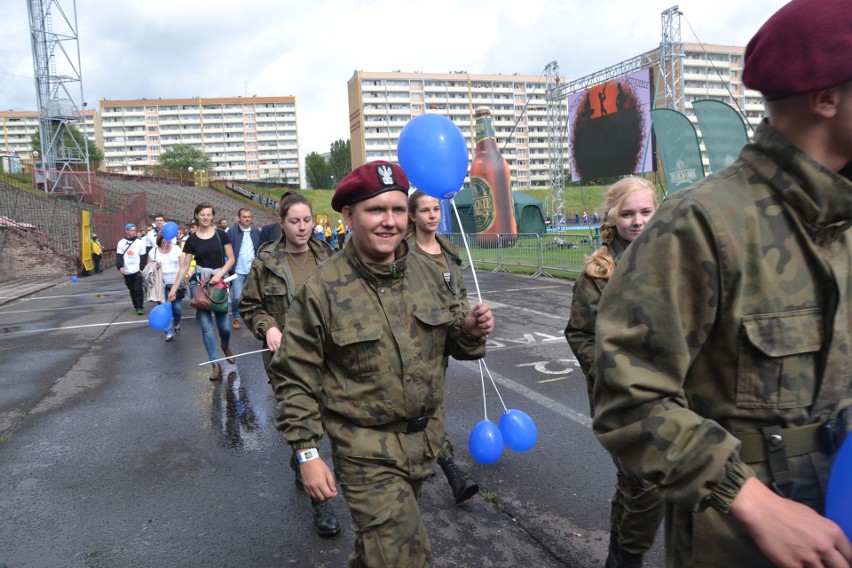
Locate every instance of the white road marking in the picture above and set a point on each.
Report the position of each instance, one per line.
(145, 321)
(551, 405)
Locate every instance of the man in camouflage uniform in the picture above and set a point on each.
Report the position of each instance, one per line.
(724, 337)
(362, 355)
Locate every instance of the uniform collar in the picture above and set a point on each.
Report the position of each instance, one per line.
(822, 198)
(379, 272)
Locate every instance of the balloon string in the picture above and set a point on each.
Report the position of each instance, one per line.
(494, 384)
(482, 380)
(467, 249)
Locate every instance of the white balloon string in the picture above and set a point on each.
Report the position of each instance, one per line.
(467, 249)
(494, 384)
(482, 380)
(233, 356)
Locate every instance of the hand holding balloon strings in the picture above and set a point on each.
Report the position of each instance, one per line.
(433, 153)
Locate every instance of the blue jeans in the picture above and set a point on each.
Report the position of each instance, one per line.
(237, 291)
(223, 323)
(177, 313)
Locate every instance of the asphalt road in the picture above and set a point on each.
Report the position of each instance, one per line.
(117, 451)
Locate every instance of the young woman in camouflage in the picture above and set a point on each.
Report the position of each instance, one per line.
(424, 215)
(278, 269)
(636, 507)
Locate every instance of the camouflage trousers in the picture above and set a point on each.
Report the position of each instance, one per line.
(637, 511)
(382, 474)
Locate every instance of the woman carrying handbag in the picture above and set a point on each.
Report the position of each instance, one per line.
(211, 248)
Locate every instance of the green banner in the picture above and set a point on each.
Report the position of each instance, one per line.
(677, 144)
(723, 131)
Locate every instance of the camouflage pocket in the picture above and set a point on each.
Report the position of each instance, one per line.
(778, 359)
(275, 298)
(360, 351)
(432, 326)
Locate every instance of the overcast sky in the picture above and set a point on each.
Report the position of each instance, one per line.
(310, 48)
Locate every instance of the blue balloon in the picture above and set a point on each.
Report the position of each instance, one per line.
(160, 317)
(838, 502)
(485, 442)
(74, 278)
(518, 429)
(170, 230)
(433, 153)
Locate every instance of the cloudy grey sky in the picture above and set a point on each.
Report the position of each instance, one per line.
(310, 48)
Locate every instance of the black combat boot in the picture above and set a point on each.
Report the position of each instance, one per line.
(613, 554)
(619, 558)
(629, 559)
(324, 520)
(463, 488)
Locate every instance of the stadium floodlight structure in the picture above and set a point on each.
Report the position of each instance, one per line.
(668, 58)
(59, 90)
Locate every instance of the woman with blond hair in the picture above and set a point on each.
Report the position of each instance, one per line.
(637, 508)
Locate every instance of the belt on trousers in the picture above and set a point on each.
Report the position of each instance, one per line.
(774, 446)
(405, 426)
(825, 437)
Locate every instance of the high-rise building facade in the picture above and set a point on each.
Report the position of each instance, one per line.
(246, 138)
(380, 105)
(715, 72)
(17, 128)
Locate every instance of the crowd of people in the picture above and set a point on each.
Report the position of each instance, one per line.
(712, 328)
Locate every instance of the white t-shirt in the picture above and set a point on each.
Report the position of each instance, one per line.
(169, 262)
(132, 252)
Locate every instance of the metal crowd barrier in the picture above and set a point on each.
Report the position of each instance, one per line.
(537, 255)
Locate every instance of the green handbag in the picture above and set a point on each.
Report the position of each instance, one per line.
(218, 295)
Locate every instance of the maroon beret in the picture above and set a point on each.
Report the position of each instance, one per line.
(369, 180)
(804, 47)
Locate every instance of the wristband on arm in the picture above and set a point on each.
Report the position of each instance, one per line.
(307, 455)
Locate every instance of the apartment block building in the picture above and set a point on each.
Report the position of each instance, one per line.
(17, 128)
(715, 72)
(246, 138)
(380, 105)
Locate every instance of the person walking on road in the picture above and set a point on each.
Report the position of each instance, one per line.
(211, 249)
(168, 256)
(723, 338)
(245, 238)
(424, 216)
(362, 359)
(280, 267)
(128, 260)
(637, 508)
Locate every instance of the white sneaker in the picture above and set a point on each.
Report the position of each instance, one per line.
(169, 337)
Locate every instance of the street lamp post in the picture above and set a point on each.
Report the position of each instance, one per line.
(189, 169)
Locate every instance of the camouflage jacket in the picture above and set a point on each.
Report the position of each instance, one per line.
(269, 287)
(365, 343)
(580, 330)
(730, 312)
(451, 252)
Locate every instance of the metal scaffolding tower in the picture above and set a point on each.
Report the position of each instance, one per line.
(59, 89)
(671, 60)
(668, 58)
(557, 134)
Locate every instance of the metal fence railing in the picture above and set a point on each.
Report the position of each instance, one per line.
(59, 224)
(537, 255)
